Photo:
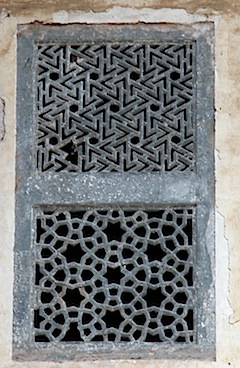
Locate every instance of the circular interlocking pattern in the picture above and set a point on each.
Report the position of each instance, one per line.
(117, 275)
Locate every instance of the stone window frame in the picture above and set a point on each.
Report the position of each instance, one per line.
(196, 188)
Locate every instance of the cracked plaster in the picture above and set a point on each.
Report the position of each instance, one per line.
(226, 16)
(2, 119)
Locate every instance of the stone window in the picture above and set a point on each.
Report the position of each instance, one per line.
(114, 192)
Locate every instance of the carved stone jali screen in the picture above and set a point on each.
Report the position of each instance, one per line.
(115, 193)
(115, 107)
(114, 275)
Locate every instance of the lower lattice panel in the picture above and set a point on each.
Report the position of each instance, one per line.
(114, 274)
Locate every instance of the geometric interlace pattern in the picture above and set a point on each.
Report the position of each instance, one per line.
(114, 274)
(115, 107)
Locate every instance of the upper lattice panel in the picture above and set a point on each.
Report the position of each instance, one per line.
(115, 107)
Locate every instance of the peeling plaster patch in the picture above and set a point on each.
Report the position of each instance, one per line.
(120, 14)
(2, 119)
(60, 17)
(5, 13)
(224, 308)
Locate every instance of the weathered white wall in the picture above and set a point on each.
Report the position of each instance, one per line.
(226, 15)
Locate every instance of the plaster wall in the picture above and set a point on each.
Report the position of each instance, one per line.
(226, 16)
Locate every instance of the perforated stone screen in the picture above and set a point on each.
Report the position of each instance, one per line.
(114, 275)
(114, 193)
(115, 106)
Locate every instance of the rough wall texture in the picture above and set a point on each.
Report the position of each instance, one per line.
(26, 7)
(226, 15)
